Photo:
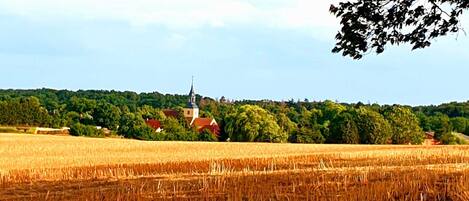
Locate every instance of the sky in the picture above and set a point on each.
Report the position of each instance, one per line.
(250, 49)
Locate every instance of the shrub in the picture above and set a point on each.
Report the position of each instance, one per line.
(8, 130)
(79, 129)
(451, 139)
(207, 135)
(144, 132)
(307, 135)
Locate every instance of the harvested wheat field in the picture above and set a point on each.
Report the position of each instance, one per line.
(39, 167)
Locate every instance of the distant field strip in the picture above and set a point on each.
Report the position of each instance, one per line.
(22, 151)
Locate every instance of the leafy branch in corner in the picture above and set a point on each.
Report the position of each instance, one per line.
(372, 24)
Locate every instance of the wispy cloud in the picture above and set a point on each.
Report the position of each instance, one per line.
(180, 14)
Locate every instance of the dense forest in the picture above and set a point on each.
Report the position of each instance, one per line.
(124, 113)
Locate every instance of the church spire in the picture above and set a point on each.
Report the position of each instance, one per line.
(192, 97)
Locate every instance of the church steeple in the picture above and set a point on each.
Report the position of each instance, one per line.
(192, 97)
(191, 112)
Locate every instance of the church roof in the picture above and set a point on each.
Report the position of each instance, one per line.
(192, 98)
(192, 105)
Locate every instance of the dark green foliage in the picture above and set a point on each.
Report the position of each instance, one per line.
(23, 112)
(261, 121)
(440, 124)
(372, 25)
(424, 121)
(174, 130)
(344, 130)
(79, 129)
(459, 124)
(133, 126)
(207, 135)
(107, 115)
(143, 132)
(372, 127)
(466, 132)
(307, 135)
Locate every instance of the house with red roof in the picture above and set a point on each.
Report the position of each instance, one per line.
(210, 124)
(155, 124)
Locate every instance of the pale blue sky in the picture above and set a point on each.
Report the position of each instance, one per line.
(238, 49)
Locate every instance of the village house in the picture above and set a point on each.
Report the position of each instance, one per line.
(191, 115)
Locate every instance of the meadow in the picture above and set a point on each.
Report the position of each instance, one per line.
(41, 167)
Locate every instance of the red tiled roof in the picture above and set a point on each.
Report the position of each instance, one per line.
(206, 123)
(171, 113)
(201, 122)
(155, 124)
(213, 128)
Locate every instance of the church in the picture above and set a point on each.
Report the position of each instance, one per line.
(191, 115)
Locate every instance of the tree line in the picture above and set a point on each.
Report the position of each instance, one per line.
(124, 113)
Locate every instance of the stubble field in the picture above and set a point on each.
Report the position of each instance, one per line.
(39, 167)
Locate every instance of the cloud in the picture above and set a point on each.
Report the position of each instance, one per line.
(180, 14)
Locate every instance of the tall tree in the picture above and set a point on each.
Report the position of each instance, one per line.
(373, 24)
(372, 127)
(405, 125)
(307, 135)
(107, 115)
(459, 124)
(440, 124)
(344, 129)
(250, 123)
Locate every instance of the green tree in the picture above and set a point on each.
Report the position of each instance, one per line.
(424, 121)
(81, 105)
(405, 125)
(331, 110)
(25, 111)
(459, 124)
(250, 123)
(107, 115)
(78, 129)
(149, 112)
(307, 135)
(440, 124)
(451, 139)
(286, 125)
(207, 135)
(372, 127)
(344, 129)
(173, 130)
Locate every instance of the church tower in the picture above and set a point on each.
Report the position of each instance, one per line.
(191, 112)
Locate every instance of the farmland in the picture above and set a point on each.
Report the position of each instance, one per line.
(40, 167)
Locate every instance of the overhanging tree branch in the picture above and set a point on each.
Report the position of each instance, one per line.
(370, 25)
